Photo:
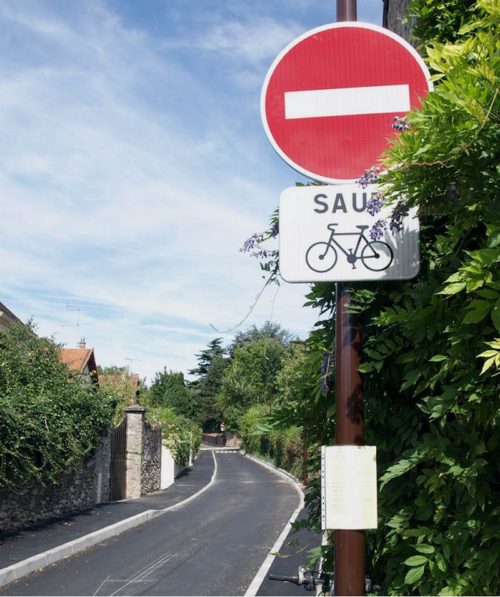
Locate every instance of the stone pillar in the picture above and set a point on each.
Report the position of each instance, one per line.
(135, 427)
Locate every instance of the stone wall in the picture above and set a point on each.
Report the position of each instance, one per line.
(151, 459)
(79, 490)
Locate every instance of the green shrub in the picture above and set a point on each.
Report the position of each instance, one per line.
(49, 421)
(181, 435)
(284, 447)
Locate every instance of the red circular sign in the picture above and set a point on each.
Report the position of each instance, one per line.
(330, 98)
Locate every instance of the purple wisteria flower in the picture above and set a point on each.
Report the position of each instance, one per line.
(400, 124)
(377, 230)
(250, 243)
(374, 204)
(369, 177)
(397, 216)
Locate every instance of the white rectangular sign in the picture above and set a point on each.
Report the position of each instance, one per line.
(322, 103)
(325, 237)
(348, 487)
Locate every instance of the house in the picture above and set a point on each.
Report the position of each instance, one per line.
(81, 361)
(7, 318)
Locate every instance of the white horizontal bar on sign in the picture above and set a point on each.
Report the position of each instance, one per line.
(347, 101)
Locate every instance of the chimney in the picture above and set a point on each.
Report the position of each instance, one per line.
(81, 344)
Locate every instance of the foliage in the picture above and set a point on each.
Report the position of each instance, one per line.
(169, 390)
(431, 350)
(283, 447)
(206, 358)
(251, 377)
(212, 362)
(180, 435)
(49, 420)
(120, 388)
(441, 21)
(256, 246)
(112, 370)
(426, 339)
(270, 330)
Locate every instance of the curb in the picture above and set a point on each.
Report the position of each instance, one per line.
(267, 563)
(51, 556)
(56, 554)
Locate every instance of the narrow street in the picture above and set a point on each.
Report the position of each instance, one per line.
(213, 545)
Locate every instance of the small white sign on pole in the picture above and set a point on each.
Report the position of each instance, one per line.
(348, 487)
(326, 236)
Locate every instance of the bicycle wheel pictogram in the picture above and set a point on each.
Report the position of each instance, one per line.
(377, 256)
(321, 257)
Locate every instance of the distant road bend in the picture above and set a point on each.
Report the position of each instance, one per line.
(212, 545)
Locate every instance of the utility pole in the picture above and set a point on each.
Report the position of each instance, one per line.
(349, 430)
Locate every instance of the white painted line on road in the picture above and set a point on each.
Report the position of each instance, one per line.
(266, 565)
(349, 101)
(139, 576)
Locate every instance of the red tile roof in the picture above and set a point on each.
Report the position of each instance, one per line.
(78, 358)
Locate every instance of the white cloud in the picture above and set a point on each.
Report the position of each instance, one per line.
(130, 176)
(252, 42)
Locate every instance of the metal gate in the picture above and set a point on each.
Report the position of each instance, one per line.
(118, 481)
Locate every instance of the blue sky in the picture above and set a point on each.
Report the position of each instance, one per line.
(134, 165)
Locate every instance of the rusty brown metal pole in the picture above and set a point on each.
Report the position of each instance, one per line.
(349, 423)
(346, 10)
(349, 430)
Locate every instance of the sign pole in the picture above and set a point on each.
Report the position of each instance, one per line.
(349, 430)
(363, 77)
(346, 10)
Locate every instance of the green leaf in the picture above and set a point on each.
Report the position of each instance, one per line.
(477, 312)
(454, 288)
(495, 315)
(488, 293)
(425, 548)
(441, 562)
(414, 575)
(415, 561)
(487, 364)
(438, 357)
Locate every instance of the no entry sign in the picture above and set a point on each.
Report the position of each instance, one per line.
(330, 97)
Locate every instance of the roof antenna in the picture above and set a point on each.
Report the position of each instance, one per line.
(77, 309)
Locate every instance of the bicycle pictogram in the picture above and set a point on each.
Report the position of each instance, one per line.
(375, 255)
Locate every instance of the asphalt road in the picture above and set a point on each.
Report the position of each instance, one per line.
(213, 545)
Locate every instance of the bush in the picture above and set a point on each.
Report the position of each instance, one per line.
(284, 447)
(180, 435)
(49, 421)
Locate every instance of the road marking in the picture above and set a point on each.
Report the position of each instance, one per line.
(37, 562)
(349, 101)
(267, 563)
(143, 573)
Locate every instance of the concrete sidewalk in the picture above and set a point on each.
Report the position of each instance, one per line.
(89, 528)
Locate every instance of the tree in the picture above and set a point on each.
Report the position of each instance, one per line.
(206, 358)
(251, 377)
(169, 390)
(212, 362)
(270, 330)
